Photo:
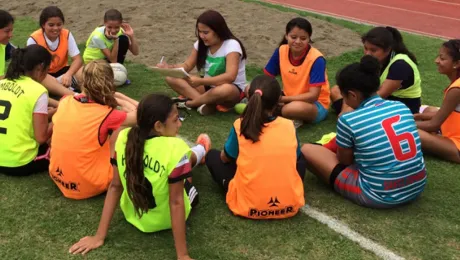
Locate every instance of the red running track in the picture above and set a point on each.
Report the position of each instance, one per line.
(436, 18)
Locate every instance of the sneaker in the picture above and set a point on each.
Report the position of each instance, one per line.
(297, 123)
(205, 141)
(222, 108)
(326, 138)
(182, 105)
(205, 110)
(127, 82)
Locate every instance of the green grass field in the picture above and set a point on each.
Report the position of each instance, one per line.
(39, 223)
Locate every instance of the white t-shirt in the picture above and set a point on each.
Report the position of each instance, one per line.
(216, 63)
(72, 48)
(41, 106)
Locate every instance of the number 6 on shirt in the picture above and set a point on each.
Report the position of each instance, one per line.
(397, 140)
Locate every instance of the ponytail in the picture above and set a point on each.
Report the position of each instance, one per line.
(398, 45)
(264, 94)
(16, 67)
(363, 77)
(136, 182)
(24, 60)
(254, 117)
(152, 108)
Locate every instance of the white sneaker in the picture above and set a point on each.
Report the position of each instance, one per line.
(183, 105)
(205, 110)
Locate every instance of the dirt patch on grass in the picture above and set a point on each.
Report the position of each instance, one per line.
(166, 27)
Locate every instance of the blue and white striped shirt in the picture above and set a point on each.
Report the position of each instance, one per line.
(387, 150)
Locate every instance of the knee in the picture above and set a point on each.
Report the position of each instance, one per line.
(171, 81)
(430, 110)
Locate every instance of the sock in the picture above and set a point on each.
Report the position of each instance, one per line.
(422, 108)
(331, 145)
(200, 152)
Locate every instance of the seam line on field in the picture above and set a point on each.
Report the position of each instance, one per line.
(340, 228)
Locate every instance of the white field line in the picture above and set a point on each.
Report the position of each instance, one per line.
(340, 228)
(444, 2)
(405, 10)
(354, 236)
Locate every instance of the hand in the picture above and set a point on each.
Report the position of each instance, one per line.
(51, 110)
(66, 80)
(163, 65)
(284, 100)
(194, 81)
(109, 36)
(418, 117)
(86, 244)
(128, 30)
(185, 257)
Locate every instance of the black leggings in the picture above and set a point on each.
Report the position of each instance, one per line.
(223, 173)
(39, 164)
(123, 46)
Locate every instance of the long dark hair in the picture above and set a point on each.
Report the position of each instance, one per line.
(49, 12)
(298, 22)
(216, 22)
(362, 76)
(453, 47)
(26, 59)
(264, 94)
(388, 38)
(152, 108)
(5, 19)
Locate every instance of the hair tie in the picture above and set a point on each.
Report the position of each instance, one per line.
(258, 91)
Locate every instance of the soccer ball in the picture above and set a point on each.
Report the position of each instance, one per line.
(120, 74)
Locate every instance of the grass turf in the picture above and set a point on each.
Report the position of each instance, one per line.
(38, 223)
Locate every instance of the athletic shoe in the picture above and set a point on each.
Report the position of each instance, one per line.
(326, 138)
(205, 110)
(222, 108)
(205, 141)
(182, 105)
(127, 82)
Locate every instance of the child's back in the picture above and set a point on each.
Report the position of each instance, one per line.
(266, 183)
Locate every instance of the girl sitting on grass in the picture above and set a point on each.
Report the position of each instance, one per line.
(447, 118)
(379, 161)
(152, 176)
(261, 167)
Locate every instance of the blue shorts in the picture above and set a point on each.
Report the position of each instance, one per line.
(322, 113)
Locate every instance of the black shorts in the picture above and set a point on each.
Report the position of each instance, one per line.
(412, 103)
(222, 173)
(60, 72)
(207, 88)
(39, 164)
